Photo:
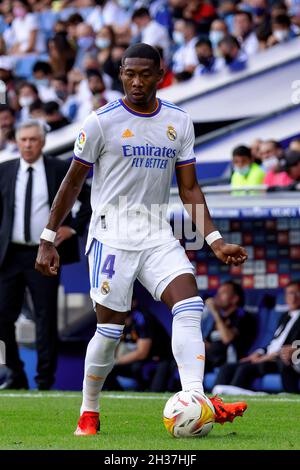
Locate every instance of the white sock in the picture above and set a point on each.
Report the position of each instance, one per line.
(99, 361)
(187, 342)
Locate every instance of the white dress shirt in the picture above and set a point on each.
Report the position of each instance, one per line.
(277, 343)
(39, 203)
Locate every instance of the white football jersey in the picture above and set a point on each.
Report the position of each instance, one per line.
(133, 156)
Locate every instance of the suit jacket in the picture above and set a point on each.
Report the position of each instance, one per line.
(294, 333)
(55, 172)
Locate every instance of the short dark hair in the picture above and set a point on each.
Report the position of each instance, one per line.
(5, 107)
(245, 13)
(282, 20)
(238, 290)
(51, 107)
(93, 73)
(42, 66)
(241, 151)
(142, 51)
(140, 13)
(230, 41)
(36, 105)
(61, 78)
(29, 85)
(203, 42)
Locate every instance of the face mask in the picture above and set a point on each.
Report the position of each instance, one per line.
(258, 11)
(103, 43)
(281, 35)
(228, 58)
(85, 42)
(19, 12)
(61, 94)
(41, 82)
(242, 171)
(215, 37)
(124, 4)
(270, 163)
(205, 61)
(178, 38)
(25, 101)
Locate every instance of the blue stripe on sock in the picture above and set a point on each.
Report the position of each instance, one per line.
(107, 336)
(199, 305)
(189, 310)
(194, 306)
(118, 335)
(190, 302)
(112, 330)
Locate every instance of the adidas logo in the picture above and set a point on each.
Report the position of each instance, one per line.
(127, 133)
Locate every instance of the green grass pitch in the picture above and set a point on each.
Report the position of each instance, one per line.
(47, 420)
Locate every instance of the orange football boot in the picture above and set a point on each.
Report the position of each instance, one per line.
(225, 412)
(88, 424)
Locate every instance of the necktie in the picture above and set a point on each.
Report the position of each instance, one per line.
(27, 212)
(282, 326)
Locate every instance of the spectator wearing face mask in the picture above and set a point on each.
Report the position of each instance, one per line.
(281, 30)
(208, 63)
(42, 75)
(26, 35)
(245, 171)
(185, 37)
(105, 41)
(27, 93)
(218, 30)
(112, 66)
(230, 50)
(97, 94)
(68, 102)
(85, 43)
(270, 154)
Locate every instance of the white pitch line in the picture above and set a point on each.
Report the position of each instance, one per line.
(147, 397)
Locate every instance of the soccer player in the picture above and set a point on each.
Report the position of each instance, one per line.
(134, 144)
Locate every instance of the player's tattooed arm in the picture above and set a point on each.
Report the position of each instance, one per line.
(195, 204)
(47, 261)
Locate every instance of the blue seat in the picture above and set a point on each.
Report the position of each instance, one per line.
(24, 66)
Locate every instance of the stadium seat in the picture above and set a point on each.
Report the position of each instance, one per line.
(25, 65)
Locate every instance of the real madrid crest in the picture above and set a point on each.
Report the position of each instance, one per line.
(105, 289)
(171, 133)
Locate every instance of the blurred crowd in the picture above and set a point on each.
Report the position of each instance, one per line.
(266, 163)
(60, 59)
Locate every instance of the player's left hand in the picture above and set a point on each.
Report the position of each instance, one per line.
(229, 253)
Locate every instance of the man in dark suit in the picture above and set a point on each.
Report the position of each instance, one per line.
(27, 189)
(274, 358)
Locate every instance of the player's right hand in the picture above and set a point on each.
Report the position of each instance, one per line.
(47, 260)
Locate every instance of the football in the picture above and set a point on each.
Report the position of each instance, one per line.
(188, 414)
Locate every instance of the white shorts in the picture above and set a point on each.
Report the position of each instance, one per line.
(113, 272)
